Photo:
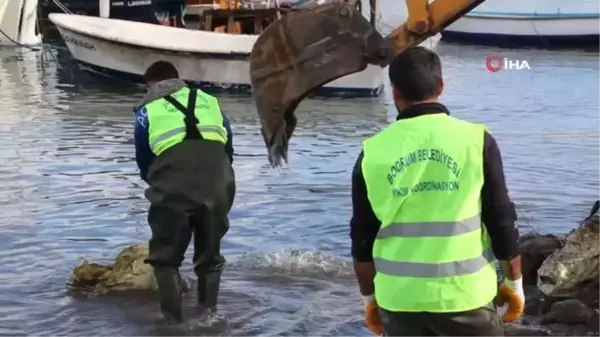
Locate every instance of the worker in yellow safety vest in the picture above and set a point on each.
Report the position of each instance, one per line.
(184, 152)
(431, 214)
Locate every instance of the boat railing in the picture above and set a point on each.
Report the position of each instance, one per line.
(241, 20)
(249, 16)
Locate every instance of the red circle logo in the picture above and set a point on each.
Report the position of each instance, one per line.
(494, 63)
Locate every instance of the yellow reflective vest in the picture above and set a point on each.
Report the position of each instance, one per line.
(432, 253)
(167, 122)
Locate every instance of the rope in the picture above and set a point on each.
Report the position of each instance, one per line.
(547, 44)
(44, 48)
(385, 28)
(380, 24)
(17, 43)
(62, 7)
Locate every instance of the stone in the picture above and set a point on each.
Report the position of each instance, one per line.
(535, 248)
(129, 272)
(537, 303)
(589, 294)
(564, 299)
(553, 330)
(569, 312)
(521, 330)
(568, 271)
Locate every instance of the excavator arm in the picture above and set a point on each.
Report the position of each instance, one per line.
(305, 50)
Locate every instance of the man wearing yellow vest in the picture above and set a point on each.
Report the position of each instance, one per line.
(184, 152)
(431, 213)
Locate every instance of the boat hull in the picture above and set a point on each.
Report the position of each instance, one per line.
(213, 72)
(523, 30)
(151, 11)
(18, 23)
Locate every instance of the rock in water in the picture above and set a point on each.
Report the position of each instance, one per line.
(129, 272)
(520, 330)
(568, 270)
(570, 312)
(535, 248)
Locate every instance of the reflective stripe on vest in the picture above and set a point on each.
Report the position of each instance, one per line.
(181, 131)
(432, 253)
(432, 229)
(167, 123)
(415, 269)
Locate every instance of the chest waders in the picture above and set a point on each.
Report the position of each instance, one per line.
(170, 283)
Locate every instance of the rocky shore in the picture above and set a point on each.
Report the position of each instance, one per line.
(561, 275)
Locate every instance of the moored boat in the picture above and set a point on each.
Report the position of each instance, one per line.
(552, 23)
(18, 23)
(209, 59)
(166, 12)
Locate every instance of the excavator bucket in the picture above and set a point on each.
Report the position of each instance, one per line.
(301, 52)
(305, 50)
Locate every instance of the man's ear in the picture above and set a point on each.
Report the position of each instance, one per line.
(441, 89)
(395, 93)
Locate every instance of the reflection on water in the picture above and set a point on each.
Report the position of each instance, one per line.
(70, 189)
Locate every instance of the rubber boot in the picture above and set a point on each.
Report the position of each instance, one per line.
(208, 290)
(169, 289)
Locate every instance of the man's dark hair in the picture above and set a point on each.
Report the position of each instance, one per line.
(160, 71)
(416, 73)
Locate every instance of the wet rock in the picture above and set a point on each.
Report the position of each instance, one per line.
(570, 312)
(537, 303)
(589, 294)
(521, 330)
(129, 272)
(533, 304)
(553, 330)
(570, 270)
(566, 296)
(535, 248)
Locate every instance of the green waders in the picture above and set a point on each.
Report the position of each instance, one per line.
(192, 188)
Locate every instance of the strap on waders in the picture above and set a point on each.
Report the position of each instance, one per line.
(191, 129)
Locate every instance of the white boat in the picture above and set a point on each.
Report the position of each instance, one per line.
(211, 60)
(18, 23)
(534, 22)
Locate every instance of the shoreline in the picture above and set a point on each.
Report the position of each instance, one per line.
(561, 280)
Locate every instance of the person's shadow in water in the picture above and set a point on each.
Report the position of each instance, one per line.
(138, 312)
(196, 322)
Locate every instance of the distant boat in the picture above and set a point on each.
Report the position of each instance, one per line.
(209, 59)
(552, 23)
(18, 23)
(164, 12)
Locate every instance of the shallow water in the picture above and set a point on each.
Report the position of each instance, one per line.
(70, 190)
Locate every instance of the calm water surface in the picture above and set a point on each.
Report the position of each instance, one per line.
(70, 189)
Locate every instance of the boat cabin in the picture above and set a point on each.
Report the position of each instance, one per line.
(233, 16)
(227, 16)
(238, 21)
(237, 16)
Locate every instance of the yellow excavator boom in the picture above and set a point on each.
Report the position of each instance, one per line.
(307, 49)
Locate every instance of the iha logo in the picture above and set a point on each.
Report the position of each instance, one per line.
(497, 63)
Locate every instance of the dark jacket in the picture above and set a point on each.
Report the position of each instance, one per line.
(143, 154)
(498, 212)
